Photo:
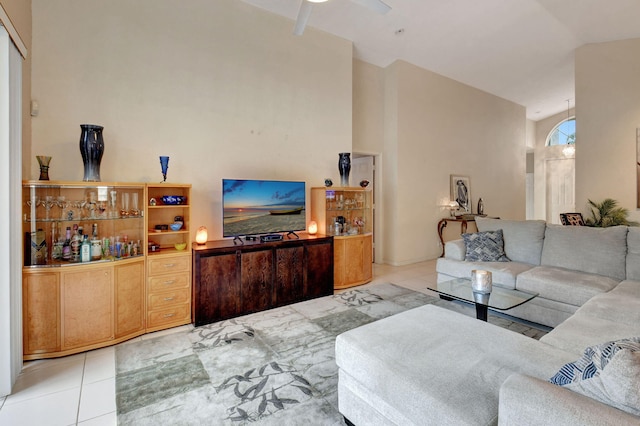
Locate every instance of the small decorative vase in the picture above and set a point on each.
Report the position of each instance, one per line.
(481, 281)
(44, 161)
(164, 165)
(91, 148)
(344, 167)
(480, 207)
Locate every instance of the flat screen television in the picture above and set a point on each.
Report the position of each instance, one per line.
(253, 207)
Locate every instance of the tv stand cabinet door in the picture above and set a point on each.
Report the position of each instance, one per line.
(256, 280)
(289, 275)
(217, 291)
(319, 269)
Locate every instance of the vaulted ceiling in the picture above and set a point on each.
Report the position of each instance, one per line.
(520, 50)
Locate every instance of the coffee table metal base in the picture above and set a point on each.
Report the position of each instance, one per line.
(482, 311)
(500, 298)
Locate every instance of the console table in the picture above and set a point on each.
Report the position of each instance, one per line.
(464, 221)
(232, 280)
(458, 219)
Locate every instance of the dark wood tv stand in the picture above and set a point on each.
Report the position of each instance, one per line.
(230, 279)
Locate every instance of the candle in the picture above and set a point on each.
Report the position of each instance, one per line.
(481, 281)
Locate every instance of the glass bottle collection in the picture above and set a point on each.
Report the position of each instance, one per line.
(69, 243)
(77, 247)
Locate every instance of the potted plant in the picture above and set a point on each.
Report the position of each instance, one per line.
(607, 213)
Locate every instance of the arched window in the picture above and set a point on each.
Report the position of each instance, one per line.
(563, 134)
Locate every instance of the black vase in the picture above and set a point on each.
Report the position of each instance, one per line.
(344, 166)
(91, 148)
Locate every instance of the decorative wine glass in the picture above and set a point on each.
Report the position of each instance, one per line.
(135, 210)
(33, 202)
(48, 203)
(63, 204)
(164, 163)
(113, 204)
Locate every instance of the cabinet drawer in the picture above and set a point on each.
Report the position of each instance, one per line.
(169, 264)
(169, 298)
(168, 282)
(179, 314)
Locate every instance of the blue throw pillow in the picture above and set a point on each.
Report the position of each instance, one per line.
(593, 361)
(485, 247)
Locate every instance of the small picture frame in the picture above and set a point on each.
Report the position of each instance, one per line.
(461, 193)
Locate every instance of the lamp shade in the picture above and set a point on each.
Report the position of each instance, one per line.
(201, 235)
(312, 228)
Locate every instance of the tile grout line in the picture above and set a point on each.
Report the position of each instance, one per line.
(84, 367)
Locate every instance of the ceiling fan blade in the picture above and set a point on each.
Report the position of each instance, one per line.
(377, 5)
(303, 17)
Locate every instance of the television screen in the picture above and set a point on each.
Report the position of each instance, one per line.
(253, 207)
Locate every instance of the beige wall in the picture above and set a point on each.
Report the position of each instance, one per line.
(608, 113)
(19, 12)
(368, 107)
(221, 87)
(434, 127)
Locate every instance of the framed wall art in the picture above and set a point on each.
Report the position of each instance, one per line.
(461, 192)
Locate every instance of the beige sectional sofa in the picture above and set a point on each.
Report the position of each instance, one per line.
(433, 366)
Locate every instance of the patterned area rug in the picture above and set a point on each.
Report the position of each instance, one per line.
(270, 368)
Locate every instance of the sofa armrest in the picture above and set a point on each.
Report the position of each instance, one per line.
(455, 250)
(525, 400)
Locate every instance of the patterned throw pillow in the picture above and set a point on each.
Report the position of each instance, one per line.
(485, 247)
(593, 361)
(609, 373)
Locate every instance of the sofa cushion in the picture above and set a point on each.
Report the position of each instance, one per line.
(633, 254)
(522, 238)
(484, 247)
(503, 273)
(622, 304)
(582, 330)
(563, 285)
(599, 251)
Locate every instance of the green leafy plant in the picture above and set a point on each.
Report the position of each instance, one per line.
(607, 213)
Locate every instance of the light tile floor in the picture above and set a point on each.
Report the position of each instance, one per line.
(80, 389)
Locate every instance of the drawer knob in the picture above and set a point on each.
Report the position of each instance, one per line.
(169, 315)
(169, 282)
(169, 265)
(166, 299)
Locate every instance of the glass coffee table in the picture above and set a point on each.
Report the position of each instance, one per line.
(500, 298)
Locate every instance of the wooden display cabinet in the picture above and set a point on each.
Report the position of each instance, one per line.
(168, 267)
(347, 214)
(71, 306)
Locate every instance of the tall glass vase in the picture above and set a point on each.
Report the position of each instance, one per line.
(344, 167)
(91, 148)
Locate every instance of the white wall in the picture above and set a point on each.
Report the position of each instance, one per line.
(542, 154)
(435, 127)
(10, 213)
(221, 87)
(608, 113)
